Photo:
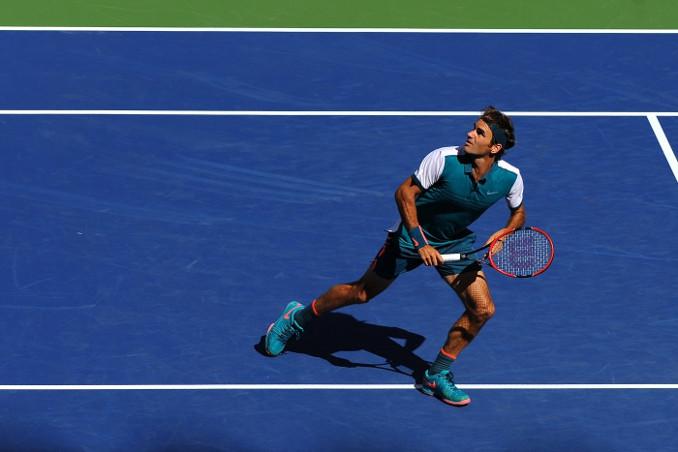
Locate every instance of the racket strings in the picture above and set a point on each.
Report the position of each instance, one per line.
(523, 253)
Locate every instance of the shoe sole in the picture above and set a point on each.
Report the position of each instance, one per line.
(429, 392)
(449, 402)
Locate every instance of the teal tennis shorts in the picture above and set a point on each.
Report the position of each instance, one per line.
(394, 259)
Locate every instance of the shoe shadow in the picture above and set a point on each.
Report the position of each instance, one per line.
(337, 332)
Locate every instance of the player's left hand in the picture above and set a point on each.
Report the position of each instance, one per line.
(495, 235)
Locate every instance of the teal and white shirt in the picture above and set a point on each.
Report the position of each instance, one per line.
(451, 199)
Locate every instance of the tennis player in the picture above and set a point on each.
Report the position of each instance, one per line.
(451, 188)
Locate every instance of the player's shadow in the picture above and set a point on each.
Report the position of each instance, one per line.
(337, 332)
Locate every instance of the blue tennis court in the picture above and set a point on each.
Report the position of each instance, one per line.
(154, 246)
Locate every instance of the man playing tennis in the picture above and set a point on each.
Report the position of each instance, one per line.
(451, 188)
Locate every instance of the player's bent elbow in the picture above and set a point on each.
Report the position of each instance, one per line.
(399, 196)
(406, 193)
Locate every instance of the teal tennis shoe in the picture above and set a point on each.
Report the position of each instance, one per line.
(280, 331)
(442, 387)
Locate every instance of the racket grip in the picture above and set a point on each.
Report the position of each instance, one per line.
(451, 257)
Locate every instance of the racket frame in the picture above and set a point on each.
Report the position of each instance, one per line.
(488, 256)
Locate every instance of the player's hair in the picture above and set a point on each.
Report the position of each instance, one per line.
(492, 116)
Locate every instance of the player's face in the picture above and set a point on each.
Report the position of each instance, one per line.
(479, 140)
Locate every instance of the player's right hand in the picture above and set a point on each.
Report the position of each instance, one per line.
(430, 256)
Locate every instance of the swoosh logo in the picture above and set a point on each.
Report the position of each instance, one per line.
(287, 314)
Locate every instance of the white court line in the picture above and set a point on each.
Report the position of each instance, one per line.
(330, 113)
(664, 143)
(298, 387)
(346, 30)
(652, 117)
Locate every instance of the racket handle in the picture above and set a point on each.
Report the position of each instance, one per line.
(451, 257)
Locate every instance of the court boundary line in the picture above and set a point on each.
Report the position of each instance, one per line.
(346, 30)
(651, 116)
(334, 387)
(664, 144)
(142, 112)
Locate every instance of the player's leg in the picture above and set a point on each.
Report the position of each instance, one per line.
(296, 317)
(382, 272)
(474, 292)
(471, 287)
(361, 291)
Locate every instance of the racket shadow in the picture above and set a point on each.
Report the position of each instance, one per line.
(337, 332)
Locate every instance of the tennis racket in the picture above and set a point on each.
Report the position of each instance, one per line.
(520, 253)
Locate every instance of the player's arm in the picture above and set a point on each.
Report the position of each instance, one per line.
(516, 220)
(514, 201)
(405, 197)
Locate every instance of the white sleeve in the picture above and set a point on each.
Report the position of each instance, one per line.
(430, 169)
(515, 195)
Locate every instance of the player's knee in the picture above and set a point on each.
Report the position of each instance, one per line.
(366, 288)
(362, 295)
(485, 313)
